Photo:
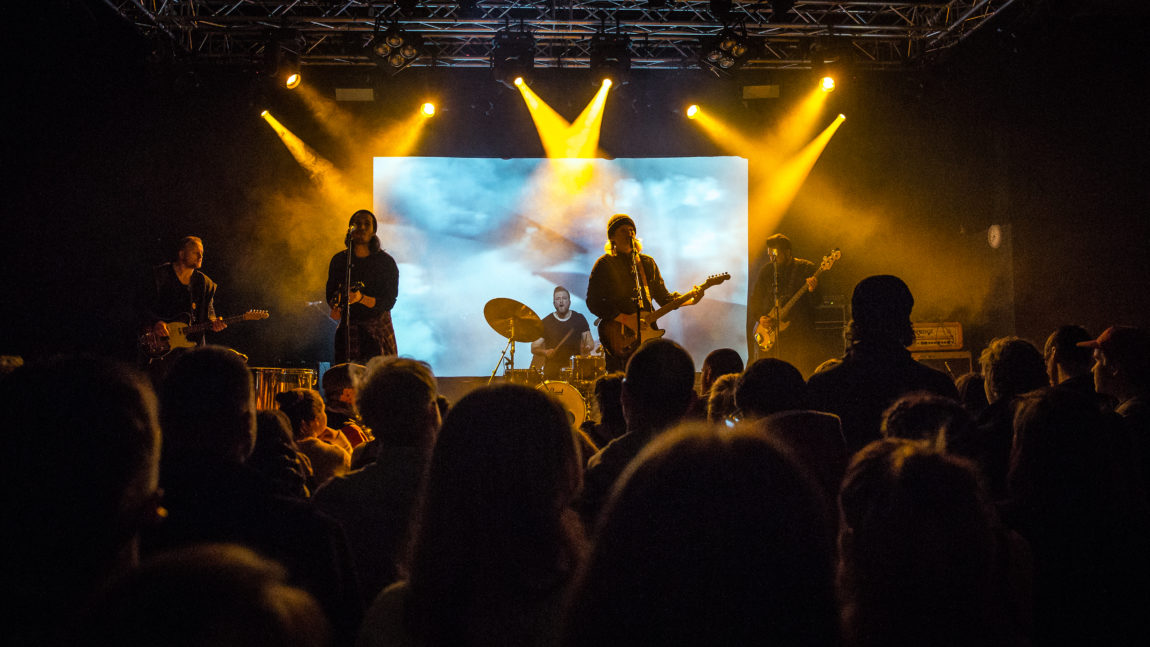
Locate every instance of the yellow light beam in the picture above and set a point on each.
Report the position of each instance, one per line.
(552, 127)
(323, 173)
(583, 135)
(776, 194)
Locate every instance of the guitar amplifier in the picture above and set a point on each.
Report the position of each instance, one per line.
(937, 336)
(952, 362)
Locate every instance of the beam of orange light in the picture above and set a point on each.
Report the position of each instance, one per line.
(399, 140)
(726, 137)
(776, 194)
(324, 174)
(552, 127)
(583, 135)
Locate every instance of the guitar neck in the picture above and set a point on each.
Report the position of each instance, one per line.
(674, 305)
(195, 329)
(786, 310)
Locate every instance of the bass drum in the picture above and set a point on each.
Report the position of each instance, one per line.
(569, 398)
(270, 381)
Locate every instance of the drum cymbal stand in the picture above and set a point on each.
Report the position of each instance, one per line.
(510, 359)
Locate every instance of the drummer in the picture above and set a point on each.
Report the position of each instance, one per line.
(565, 334)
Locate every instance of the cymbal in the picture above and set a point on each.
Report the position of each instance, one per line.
(506, 315)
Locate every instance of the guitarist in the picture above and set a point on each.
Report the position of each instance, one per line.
(179, 291)
(612, 286)
(797, 344)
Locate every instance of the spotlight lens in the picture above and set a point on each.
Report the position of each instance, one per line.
(693, 111)
(713, 55)
(264, 113)
(727, 43)
(738, 50)
(726, 62)
(428, 109)
(827, 84)
(607, 83)
(393, 40)
(382, 49)
(518, 80)
(292, 81)
(409, 51)
(396, 60)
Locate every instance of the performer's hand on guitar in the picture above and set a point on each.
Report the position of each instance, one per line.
(812, 283)
(218, 325)
(160, 328)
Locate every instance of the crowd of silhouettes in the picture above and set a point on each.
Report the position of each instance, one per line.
(876, 502)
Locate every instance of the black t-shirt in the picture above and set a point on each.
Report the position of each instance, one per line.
(553, 332)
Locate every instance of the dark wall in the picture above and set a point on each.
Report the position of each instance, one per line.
(114, 157)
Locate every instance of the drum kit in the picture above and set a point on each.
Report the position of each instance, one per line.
(517, 322)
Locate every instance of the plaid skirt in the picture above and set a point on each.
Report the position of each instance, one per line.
(369, 337)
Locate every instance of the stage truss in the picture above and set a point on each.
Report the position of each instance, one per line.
(338, 33)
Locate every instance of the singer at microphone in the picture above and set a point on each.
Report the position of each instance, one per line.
(364, 311)
(623, 281)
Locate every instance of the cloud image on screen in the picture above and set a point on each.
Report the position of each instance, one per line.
(468, 230)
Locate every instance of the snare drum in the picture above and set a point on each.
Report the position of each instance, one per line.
(569, 398)
(524, 376)
(270, 381)
(587, 367)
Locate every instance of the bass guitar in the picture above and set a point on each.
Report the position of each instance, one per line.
(154, 345)
(621, 337)
(771, 324)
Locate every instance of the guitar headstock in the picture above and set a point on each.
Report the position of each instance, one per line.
(715, 279)
(254, 315)
(830, 259)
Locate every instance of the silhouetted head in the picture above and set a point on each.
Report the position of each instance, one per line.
(720, 362)
(208, 406)
(880, 310)
(659, 385)
(916, 547)
(768, 386)
(710, 537)
(1011, 366)
(398, 401)
(208, 595)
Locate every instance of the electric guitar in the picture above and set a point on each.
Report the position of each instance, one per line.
(620, 336)
(154, 345)
(767, 333)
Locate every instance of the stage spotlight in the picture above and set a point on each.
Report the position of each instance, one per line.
(726, 51)
(518, 81)
(263, 113)
(394, 48)
(692, 111)
(610, 57)
(607, 83)
(428, 109)
(512, 56)
(287, 68)
(827, 84)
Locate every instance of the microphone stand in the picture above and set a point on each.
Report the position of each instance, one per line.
(775, 296)
(347, 297)
(635, 269)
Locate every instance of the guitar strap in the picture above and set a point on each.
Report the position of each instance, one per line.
(643, 282)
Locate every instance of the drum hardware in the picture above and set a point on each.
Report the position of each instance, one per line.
(569, 398)
(270, 381)
(514, 321)
(587, 367)
(526, 376)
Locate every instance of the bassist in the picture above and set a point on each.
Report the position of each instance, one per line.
(179, 291)
(614, 287)
(797, 344)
